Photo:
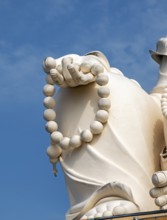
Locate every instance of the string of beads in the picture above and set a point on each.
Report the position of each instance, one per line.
(57, 139)
(164, 102)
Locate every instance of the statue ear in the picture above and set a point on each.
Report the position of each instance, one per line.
(101, 56)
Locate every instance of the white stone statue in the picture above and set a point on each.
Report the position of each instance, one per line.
(108, 135)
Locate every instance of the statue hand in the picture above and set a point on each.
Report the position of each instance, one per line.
(159, 192)
(73, 70)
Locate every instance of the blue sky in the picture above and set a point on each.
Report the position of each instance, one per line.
(124, 30)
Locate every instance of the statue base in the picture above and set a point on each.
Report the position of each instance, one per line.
(152, 215)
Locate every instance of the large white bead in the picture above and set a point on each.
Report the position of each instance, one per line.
(96, 127)
(163, 100)
(102, 79)
(163, 103)
(84, 217)
(86, 135)
(51, 126)
(102, 116)
(104, 103)
(49, 79)
(53, 160)
(96, 69)
(103, 91)
(85, 67)
(49, 115)
(107, 213)
(65, 143)
(75, 141)
(54, 151)
(164, 95)
(98, 215)
(164, 111)
(90, 217)
(49, 90)
(50, 63)
(56, 137)
(49, 102)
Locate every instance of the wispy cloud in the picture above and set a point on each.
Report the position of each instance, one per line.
(20, 74)
(125, 36)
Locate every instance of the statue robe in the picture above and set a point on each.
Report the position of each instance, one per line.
(128, 149)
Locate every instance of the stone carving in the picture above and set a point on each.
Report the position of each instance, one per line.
(108, 134)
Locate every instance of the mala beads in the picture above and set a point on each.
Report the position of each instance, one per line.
(58, 141)
(164, 103)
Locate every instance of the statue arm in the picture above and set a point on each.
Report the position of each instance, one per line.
(73, 70)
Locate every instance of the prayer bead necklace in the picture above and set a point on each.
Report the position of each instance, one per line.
(58, 141)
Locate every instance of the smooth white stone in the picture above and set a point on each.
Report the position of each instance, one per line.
(102, 116)
(163, 104)
(49, 90)
(107, 213)
(56, 137)
(104, 103)
(53, 160)
(96, 69)
(96, 127)
(164, 95)
(85, 67)
(84, 217)
(53, 151)
(51, 126)
(86, 135)
(163, 100)
(49, 102)
(165, 114)
(49, 115)
(98, 215)
(110, 206)
(50, 62)
(49, 79)
(102, 79)
(65, 143)
(75, 141)
(101, 208)
(164, 108)
(90, 217)
(103, 91)
(164, 111)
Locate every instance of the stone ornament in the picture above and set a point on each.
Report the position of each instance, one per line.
(108, 157)
(58, 141)
(164, 103)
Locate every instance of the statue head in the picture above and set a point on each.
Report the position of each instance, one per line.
(161, 50)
